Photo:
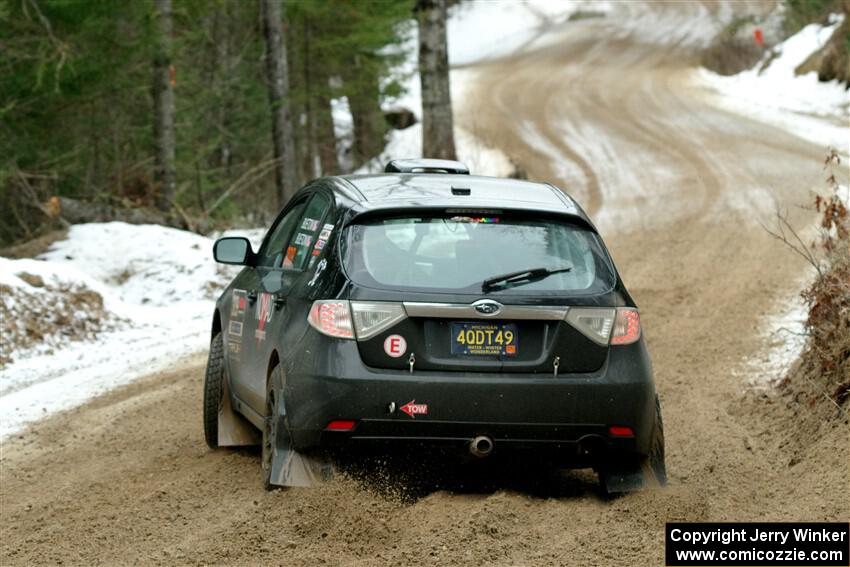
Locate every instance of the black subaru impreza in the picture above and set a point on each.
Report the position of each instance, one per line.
(426, 306)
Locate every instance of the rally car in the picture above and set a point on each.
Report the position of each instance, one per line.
(425, 306)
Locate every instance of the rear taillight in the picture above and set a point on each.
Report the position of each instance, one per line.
(332, 318)
(354, 319)
(595, 323)
(626, 327)
(370, 318)
(620, 431)
(341, 425)
(605, 326)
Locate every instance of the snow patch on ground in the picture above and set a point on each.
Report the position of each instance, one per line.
(158, 285)
(480, 30)
(843, 193)
(562, 165)
(772, 92)
(784, 335)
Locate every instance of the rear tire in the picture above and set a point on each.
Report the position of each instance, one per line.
(272, 426)
(213, 388)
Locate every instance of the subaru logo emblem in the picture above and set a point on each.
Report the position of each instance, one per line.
(487, 307)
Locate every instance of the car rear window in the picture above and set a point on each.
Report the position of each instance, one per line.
(456, 253)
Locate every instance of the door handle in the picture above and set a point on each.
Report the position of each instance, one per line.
(279, 301)
(252, 295)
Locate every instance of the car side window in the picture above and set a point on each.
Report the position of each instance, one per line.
(306, 233)
(275, 250)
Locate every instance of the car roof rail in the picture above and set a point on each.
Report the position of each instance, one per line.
(426, 166)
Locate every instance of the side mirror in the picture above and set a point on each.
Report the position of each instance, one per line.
(233, 250)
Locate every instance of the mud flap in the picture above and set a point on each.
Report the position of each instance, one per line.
(293, 468)
(233, 429)
(296, 468)
(629, 479)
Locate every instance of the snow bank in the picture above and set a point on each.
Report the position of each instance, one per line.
(157, 285)
(142, 266)
(772, 92)
(42, 307)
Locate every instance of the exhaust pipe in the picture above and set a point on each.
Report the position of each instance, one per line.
(481, 446)
(591, 446)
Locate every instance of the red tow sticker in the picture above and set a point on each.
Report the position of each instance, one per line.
(413, 409)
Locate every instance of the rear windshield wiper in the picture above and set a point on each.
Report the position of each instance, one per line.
(521, 277)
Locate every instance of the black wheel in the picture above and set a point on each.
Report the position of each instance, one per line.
(656, 447)
(272, 426)
(213, 388)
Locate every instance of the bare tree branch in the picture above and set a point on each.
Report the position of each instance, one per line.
(252, 175)
(796, 243)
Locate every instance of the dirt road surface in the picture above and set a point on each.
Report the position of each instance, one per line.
(678, 188)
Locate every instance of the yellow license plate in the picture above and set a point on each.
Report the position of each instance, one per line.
(484, 339)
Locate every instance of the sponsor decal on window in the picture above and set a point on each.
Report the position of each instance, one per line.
(326, 232)
(320, 243)
(480, 220)
(303, 239)
(319, 269)
(290, 257)
(309, 224)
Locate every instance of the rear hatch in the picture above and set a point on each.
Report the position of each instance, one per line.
(479, 292)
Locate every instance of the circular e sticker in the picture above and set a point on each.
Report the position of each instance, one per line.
(395, 346)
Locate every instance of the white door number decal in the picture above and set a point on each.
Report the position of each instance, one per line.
(395, 346)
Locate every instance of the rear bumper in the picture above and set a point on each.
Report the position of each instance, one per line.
(568, 414)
